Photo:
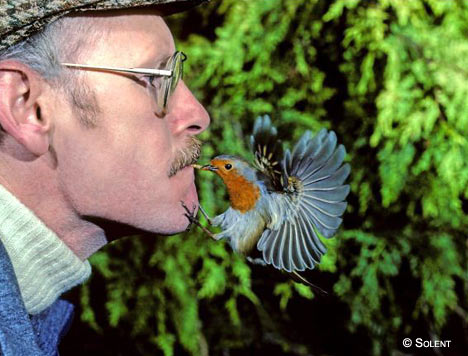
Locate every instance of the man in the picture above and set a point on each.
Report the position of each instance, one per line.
(85, 153)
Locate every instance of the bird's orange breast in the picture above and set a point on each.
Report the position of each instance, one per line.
(242, 193)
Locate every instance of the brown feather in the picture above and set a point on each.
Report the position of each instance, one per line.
(242, 193)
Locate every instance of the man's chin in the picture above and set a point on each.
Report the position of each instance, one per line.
(175, 231)
(115, 229)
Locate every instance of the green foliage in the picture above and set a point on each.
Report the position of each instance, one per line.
(391, 78)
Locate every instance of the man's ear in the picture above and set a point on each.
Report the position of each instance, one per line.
(21, 114)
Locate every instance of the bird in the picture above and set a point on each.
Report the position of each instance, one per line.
(282, 202)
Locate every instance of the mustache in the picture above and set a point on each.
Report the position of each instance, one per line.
(186, 156)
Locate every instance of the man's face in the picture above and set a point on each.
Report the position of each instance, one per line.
(119, 169)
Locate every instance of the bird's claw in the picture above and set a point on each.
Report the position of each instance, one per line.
(193, 220)
(189, 215)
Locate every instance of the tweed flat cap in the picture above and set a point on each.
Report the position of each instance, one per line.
(20, 19)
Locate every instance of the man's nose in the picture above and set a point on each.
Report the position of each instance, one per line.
(185, 113)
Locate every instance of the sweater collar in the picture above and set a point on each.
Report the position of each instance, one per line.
(44, 265)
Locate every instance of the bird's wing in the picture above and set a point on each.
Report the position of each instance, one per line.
(268, 151)
(312, 203)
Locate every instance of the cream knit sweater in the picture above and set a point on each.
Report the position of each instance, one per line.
(44, 266)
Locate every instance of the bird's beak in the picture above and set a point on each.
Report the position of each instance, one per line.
(206, 167)
(209, 167)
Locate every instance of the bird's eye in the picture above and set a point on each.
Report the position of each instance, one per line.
(228, 166)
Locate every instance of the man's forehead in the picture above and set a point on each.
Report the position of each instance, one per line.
(137, 36)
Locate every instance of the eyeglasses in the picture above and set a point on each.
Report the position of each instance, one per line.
(162, 82)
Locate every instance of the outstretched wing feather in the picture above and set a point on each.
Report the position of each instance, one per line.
(271, 246)
(334, 194)
(311, 207)
(316, 143)
(279, 251)
(313, 243)
(335, 161)
(328, 167)
(319, 217)
(300, 249)
(286, 262)
(316, 163)
(329, 182)
(287, 163)
(268, 152)
(296, 260)
(300, 149)
(310, 251)
(332, 209)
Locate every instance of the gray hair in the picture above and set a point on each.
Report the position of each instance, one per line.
(66, 39)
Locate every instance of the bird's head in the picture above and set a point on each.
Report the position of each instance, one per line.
(239, 178)
(227, 167)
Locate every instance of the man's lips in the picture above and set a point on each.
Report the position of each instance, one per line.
(175, 171)
(184, 171)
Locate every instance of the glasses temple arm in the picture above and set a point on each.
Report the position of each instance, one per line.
(148, 71)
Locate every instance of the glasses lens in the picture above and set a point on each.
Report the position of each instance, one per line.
(175, 65)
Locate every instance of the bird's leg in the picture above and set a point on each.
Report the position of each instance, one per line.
(193, 220)
(207, 217)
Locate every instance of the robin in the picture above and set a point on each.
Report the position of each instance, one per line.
(282, 203)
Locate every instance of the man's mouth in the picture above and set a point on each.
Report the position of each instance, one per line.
(186, 156)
